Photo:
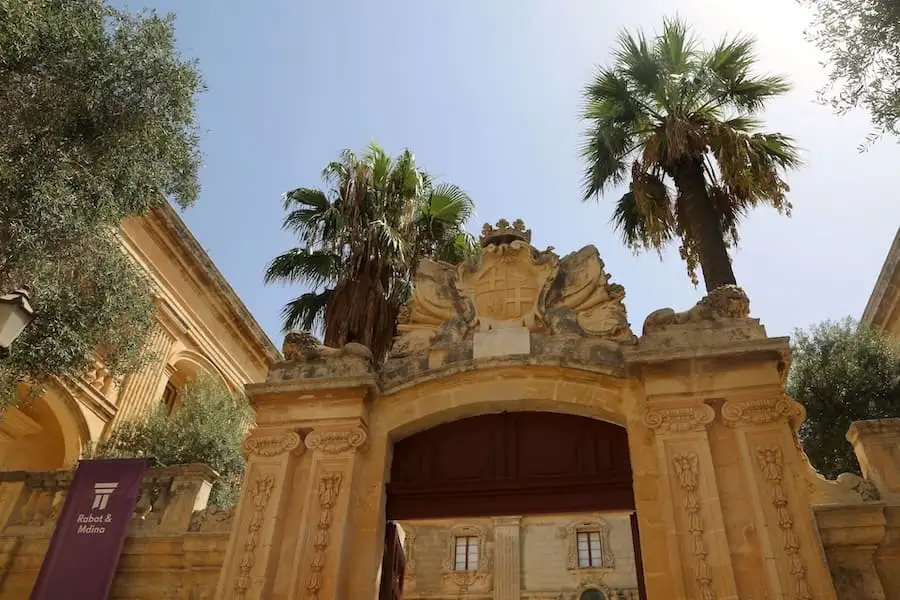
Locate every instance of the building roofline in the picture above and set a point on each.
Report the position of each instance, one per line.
(884, 294)
(169, 217)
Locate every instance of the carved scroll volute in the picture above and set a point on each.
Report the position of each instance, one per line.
(338, 440)
(679, 419)
(763, 411)
(266, 444)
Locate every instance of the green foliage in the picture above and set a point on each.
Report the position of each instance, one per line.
(98, 125)
(668, 111)
(207, 427)
(361, 240)
(841, 372)
(861, 39)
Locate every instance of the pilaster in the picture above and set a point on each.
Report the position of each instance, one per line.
(140, 390)
(249, 568)
(507, 558)
(691, 506)
(321, 563)
(877, 447)
(783, 528)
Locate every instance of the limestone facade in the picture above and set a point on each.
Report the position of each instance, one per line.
(883, 309)
(201, 325)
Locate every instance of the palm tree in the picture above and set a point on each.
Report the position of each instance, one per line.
(669, 112)
(361, 240)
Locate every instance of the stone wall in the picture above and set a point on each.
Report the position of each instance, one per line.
(542, 547)
(174, 550)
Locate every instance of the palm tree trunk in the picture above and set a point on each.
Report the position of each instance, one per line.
(704, 225)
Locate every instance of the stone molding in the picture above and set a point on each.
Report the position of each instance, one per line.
(873, 427)
(762, 411)
(271, 444)
(338, 440)
(680, 419)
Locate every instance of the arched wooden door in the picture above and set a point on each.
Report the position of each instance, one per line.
(511, 463)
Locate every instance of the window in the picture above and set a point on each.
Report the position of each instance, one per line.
(592, 595)
(466, 553)
(589, 550)
(170, 396)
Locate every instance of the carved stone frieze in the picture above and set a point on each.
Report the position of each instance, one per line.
(328, 490)
(762, 411)
(337, 440)
(269, 445)
(512, 284)
(687, 472)
(680, 419)
(771, 463)
(260, 492)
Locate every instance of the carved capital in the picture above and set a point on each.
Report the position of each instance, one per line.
(269, 445)
(338, 440)
(680, 419)
(762, 411)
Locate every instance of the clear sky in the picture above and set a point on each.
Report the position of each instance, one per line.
(487, 94)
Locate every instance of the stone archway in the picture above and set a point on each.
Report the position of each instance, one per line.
(719, 483)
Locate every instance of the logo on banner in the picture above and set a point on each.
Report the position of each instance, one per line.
(102, 492)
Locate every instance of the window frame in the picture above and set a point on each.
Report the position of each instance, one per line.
(593, 526)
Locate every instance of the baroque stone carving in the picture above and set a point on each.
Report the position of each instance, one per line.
(687, 472)
(336, 441)
(329, 489)
(680, 419)
(511, 284)
(479, 577)
(212, 520)
(305, 357)
(260, 493)
(271, 445)
(771, 463)
(725, 302)
(762, 411)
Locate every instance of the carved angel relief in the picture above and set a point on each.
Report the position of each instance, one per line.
(511, 283)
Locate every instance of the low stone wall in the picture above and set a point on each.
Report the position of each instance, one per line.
(174, 550)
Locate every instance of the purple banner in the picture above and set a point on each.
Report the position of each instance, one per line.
(90, 532)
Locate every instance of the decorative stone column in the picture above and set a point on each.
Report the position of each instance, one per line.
(140, 390)
(690, 499)
(249, 568)
(320, 559)
(507, 558)
(877, 447)
(783, 529)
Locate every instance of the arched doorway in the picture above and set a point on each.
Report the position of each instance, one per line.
(509, 463)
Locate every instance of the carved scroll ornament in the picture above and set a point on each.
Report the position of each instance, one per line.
(680, 419)
(269, 445)
(762, 411)
(337, 441)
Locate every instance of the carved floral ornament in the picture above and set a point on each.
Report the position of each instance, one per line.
(337, 440)
(510, 284)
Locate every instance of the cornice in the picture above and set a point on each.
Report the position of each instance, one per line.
(200, 267)
(886, 293)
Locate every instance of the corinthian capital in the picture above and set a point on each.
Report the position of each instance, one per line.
(337, 440)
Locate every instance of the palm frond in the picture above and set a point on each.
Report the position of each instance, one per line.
(300, 265)
(306, 312)
(449, 204)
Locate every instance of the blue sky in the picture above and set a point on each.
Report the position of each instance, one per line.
(487, 94)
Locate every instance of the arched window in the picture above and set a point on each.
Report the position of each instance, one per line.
(592, 594)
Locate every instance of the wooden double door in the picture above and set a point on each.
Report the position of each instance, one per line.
(510, 463)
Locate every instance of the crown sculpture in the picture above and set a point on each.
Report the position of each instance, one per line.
(512, 284)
